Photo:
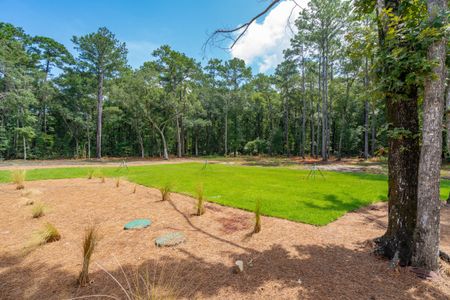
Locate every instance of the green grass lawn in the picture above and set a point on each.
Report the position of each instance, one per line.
(285, 193)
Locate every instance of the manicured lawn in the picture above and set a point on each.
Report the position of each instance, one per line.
(285, 193)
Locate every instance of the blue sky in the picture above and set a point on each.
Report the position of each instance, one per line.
(146, 24)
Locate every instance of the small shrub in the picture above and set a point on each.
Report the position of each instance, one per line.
(38, 210)
(90, 241)
(257, 228)
(18, 178)
(91, 174)
(200, 200)
(49, 234)
(165, 192)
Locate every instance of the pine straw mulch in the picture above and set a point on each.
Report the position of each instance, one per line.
(286, 260)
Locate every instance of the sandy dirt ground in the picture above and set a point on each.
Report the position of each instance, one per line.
(286, 260)
(71, 163)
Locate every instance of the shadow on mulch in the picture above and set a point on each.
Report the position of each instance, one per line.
(359, 276)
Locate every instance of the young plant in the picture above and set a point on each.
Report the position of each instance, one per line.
(159, 281)
(38, 210)
(257, 228)
(18, 178)
(90, 241)
(165, 192)
(200, 200)
(91, 174)
(49, 234)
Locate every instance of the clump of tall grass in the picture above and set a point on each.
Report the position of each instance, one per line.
(91, 174)
(165, 191)
(38, 210)
(48, 234)
(257, 228)
(154, 283)
(18, 178)
(200, 200)
(90, 241)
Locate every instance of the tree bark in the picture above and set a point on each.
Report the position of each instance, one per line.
(426, 237)
(403, 161)
(448, 115)
(179, 149)
(226, 131)
(303, 140)
(99, 115)
(366, 111)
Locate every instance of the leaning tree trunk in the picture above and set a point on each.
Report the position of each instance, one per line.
(426, 238)
(99, 115)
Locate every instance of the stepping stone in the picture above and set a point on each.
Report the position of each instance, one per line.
(138, 224)
(170, 239)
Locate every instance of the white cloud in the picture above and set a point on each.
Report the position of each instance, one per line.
(139, 52)
(264, 42)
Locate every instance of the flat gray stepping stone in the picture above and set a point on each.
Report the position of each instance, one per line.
(138, 224)
(170, 239)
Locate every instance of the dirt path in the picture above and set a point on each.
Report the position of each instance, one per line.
(286, 260)
(46, 164)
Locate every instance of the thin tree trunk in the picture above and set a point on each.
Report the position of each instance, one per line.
(374, 133)
(448, 115)
(226, 131)
(303, 140)
(312, 120)
(286, 127)
(366, 110)
(426, 237)
(318, 130)
(99, 115)
(179, 150)
(141, 145)
(24, 147)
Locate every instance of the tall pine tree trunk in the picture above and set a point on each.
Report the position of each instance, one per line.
(99, 115)
(426, 238)
(179, 149)
(366, 110)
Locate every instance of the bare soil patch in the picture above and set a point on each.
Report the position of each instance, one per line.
(286, 260)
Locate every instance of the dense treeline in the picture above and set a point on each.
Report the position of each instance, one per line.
(320, 101)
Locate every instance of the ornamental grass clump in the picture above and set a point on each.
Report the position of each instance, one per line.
(18, 178)
(38, 210)
(91, 174)
(90, 241)
(165, 192)
(257, 228)
(200, 200)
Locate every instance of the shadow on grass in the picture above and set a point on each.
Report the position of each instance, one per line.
(315, 272)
